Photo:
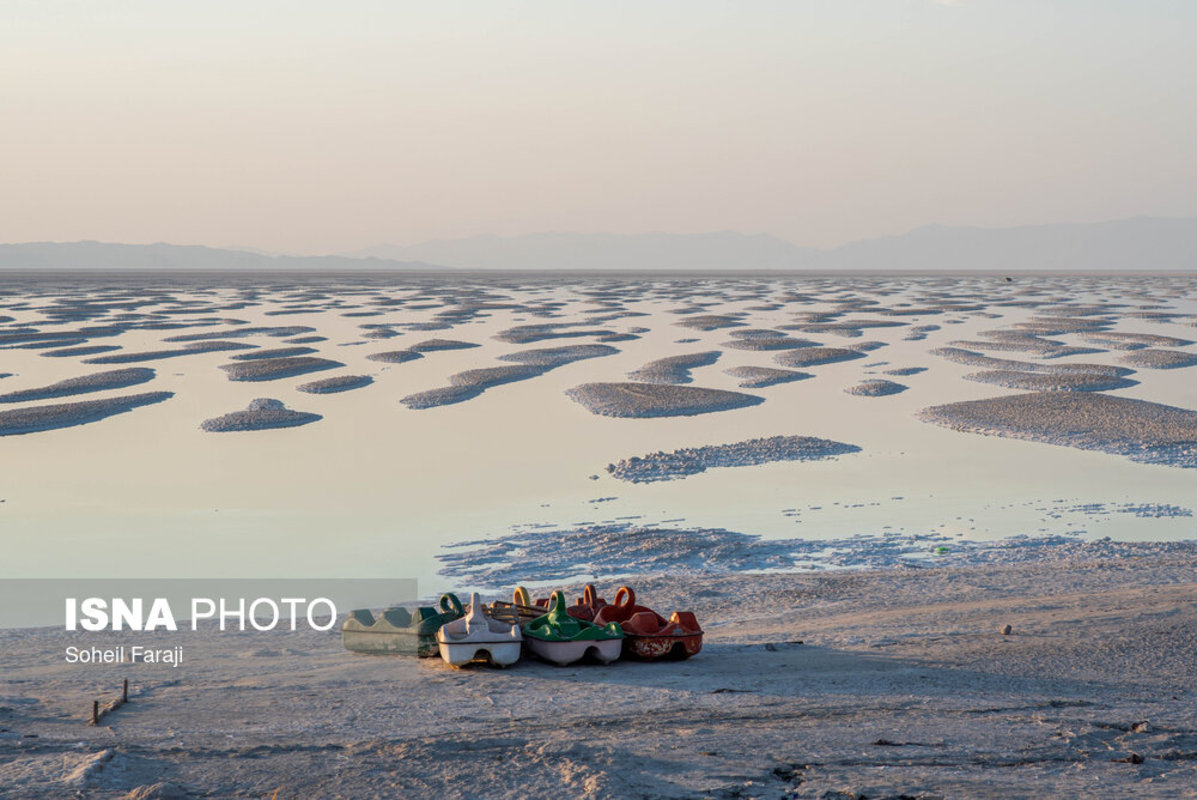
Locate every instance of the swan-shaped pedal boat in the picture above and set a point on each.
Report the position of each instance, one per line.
(647, 635)
(479, 637)
(396, 631)
(563, 639)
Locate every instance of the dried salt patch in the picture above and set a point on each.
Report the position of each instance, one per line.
(674, 369)
(662, 466)
(341, 383)
(1134, 341)
(86, 350)
(710, 322)
(275, 368)
(262, 414)
(430, 345)
(974, 359)
(849, 328)
(769, 343)
(644, 400)
(816, 356)
(395, 356)
(274, 352)
(276, 331)
(471, 383)
(64, 415)
(156, 355)
(1142, 431)
(878, 387)
(527, 334)
(760, 377)
(559, 356)
(1159, 359)
(1061, 382)
(97, 382)
(755, 333)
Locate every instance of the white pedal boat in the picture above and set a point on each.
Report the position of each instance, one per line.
(479, 637)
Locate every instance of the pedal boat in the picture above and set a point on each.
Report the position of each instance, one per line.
(561, 639)
(396, 631)
(524, 608)
(647, 635)
(587, 605)
(478, 637)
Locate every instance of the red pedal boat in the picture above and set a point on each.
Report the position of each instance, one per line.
(587, 605)
(647, 635)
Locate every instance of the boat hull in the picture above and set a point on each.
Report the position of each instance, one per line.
(390, 643)
(562, 653)
(661, 648)
(499, 654)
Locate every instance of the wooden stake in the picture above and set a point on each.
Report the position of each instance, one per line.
(95, 712)
(125, 692)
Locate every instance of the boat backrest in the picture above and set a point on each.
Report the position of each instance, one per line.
(362, 616)
(397, 616)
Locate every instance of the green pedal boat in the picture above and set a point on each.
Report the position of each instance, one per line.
(400, 632)
(562, 639)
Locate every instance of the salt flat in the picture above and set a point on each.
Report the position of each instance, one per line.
(902, 685)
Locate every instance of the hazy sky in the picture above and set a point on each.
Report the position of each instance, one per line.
(324, 127)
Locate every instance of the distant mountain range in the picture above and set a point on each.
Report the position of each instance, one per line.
(608, 251)
(1138, 244)
(107, 256)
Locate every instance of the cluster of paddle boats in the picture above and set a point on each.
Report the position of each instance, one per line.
(500, 633)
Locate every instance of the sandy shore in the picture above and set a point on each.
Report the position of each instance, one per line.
(903, 686)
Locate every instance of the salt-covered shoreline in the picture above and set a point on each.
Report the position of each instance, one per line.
(881, 683)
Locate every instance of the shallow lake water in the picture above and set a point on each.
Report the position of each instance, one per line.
(377, 489)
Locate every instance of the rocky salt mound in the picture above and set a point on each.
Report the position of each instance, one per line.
(662, 466)
(710, 322)
(262, 414)
(471, 383)
(1134, 341)
(674, 369)
(816, 356)
(760, 377)
(1061, 382)
(98, 382)
(274, 352)
(878, 387)
(395, 356)
(559, 356)
(235, 333)
(276, 368)
(157, 355)
(646, 400)
(65, 415)
(1151, 433)
(529, 364)
(86, 350)
(527, 334)
(974, 359)
(762, 343)
(431, 345)
(341, 383)
(1159, 359)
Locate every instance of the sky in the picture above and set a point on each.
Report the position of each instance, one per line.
(316, 127)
